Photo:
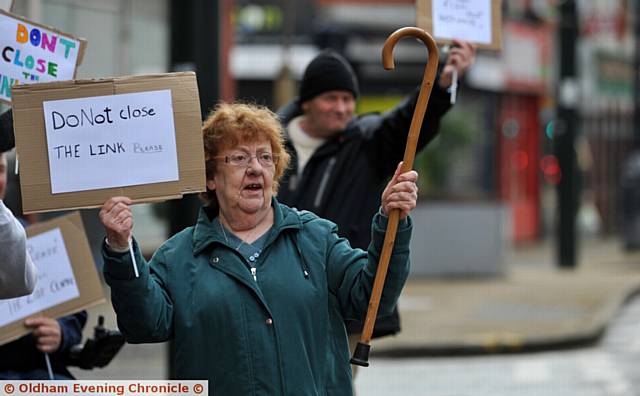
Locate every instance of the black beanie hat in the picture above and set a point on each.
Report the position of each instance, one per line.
(328, 71)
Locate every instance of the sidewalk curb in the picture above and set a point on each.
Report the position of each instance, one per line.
(506, 344)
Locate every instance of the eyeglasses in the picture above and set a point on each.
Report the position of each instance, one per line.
(265, 159)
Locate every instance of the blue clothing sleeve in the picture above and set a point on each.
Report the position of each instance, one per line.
(71, 328)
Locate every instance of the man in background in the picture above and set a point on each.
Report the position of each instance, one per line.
(340, 161)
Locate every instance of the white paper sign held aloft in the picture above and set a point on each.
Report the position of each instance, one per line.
(468, 20)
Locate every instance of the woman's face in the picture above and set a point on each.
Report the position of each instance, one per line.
(247, 188)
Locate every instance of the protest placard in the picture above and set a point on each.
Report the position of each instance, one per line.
(477, 21)
(67, 277)
(31, 53)
(82, 142)
(6, 5)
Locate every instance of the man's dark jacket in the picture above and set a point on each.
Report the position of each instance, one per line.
(344, 178)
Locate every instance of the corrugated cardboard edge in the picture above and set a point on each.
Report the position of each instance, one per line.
(84, 271)
(424, 20)
(81, 50)
(32, 148)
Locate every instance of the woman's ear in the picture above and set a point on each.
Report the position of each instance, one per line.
(211, 184)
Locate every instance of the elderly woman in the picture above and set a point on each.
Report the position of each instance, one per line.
(256, 293)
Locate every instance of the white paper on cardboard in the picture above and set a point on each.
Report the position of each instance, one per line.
(32, 54)
(468, 20)
(111, 141)
(56, 283)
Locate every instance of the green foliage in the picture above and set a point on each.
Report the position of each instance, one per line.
(435, 161)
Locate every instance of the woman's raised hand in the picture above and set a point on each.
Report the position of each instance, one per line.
(117, 219)
(401, 193)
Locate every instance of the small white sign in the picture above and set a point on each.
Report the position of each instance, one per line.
(468, 20)
(32, 54)
(56, 283)
(111, 141)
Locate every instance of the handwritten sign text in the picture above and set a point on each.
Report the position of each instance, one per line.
(56, 283)
(468, 20)
(30, 54)
(111, 141)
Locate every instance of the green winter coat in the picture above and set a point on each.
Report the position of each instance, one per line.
(282, 334)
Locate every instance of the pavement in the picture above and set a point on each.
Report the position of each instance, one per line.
(532, 306)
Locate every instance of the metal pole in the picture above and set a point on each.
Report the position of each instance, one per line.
(564, 138)
(636, 80)
(195, 45)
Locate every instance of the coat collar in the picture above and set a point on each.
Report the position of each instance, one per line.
(207, 232)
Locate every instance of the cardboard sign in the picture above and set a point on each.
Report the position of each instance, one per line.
(6, 5)
(67, 277)
(92, 142)
(477, 21)
(32, 53)
(147, 146)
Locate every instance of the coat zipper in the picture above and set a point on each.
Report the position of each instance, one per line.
(253, 272)
(324, 182)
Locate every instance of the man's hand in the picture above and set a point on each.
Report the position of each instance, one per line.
(461, 55)
(47, 332)
(117, 219)
(401, 193)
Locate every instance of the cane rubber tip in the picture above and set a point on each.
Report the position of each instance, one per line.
(361, 355)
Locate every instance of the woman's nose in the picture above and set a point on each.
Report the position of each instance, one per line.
(254, 166)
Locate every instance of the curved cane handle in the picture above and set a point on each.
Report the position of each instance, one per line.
(425, 89)
(361, 354)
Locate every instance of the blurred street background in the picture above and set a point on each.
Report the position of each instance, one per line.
(525, 252)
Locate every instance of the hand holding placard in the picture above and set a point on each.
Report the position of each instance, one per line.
(459, 57)
(47, 332)
(117, 219)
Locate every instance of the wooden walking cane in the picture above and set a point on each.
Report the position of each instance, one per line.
(361, 353)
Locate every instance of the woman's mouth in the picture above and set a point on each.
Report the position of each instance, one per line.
(253, 187)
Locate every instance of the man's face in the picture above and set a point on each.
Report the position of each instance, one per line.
(3, 174)
(328, 113)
